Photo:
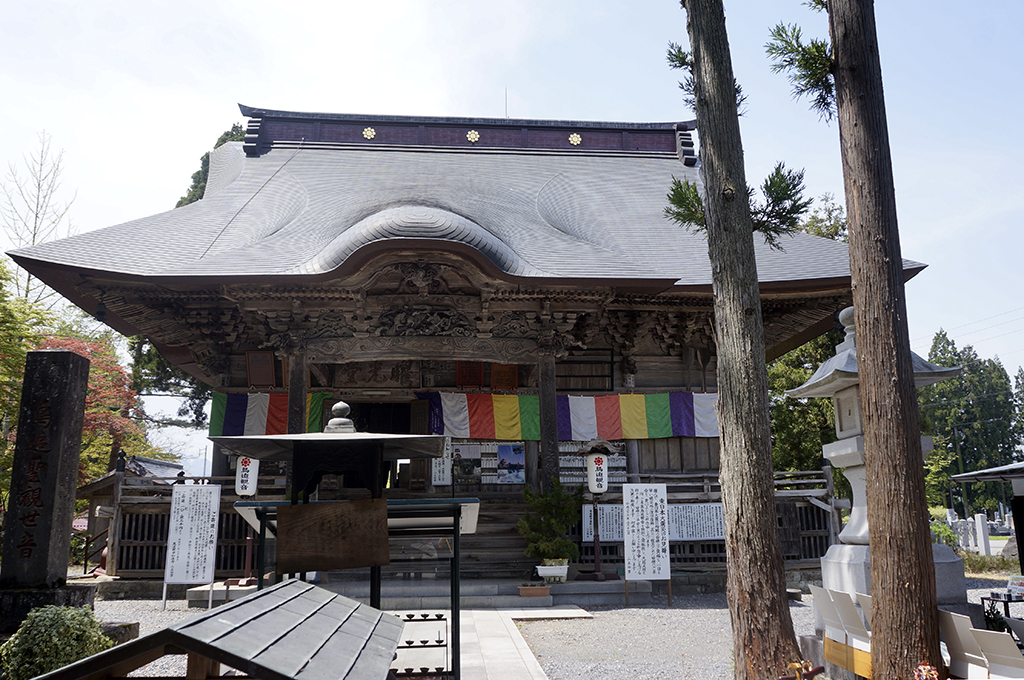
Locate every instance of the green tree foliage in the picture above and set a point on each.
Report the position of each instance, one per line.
(780, 212)
(50, 638)
(974, 418)
(808, 65)
(21, 325)
(114, 416)
(800, 427)
(151, 374)
(777, 216)
(680, 59)
(547, 522)
(198, 188)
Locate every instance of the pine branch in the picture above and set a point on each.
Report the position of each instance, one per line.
(809, 67)
(783, 207)
(778, 216)
(678, 58)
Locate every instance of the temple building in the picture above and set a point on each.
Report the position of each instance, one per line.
(514, 284)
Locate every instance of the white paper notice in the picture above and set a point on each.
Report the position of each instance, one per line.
(609, 522)
(441, 468)
(645, 531)
(192, 540)
(696, 522)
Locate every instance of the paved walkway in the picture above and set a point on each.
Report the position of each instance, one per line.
(492, 647)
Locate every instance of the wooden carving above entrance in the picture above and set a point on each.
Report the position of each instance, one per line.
(500, 350)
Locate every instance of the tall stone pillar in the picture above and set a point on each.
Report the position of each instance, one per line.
(548, 421)
(37, 528)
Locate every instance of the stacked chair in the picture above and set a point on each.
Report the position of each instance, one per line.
(847, 635)
(966, 659)
(1000, 650)
(973, 653)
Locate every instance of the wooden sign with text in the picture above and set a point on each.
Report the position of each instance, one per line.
(325, 536)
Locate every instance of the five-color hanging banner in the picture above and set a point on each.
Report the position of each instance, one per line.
(580, 418)
(261, 413)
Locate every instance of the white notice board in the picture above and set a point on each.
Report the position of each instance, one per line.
(686, 522)
(441, 468)
(192, 539)
(609, 522)
(645, 531)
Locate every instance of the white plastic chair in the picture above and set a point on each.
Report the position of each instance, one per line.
(865, 608)
(857, 634)
(965, 657)
(1016, 625)
(1004, 659)
(834, 629)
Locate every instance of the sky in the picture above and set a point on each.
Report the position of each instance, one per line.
(134, 93)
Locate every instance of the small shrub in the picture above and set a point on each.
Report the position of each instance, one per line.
(50, 638)
(994, 619)
(980, 564)
(945, 535)
(549, 519)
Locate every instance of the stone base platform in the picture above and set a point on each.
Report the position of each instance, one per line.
(16, 603)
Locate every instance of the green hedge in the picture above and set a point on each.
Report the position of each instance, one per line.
(51, 637)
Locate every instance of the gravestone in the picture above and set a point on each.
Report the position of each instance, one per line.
(37, 528)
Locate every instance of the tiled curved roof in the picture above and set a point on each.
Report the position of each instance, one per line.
(304, 208)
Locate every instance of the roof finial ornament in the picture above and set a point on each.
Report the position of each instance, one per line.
(340, 423)
(846, 319)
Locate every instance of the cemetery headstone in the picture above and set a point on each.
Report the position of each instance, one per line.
(37, 527)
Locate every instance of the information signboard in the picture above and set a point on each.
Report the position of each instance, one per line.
(192, 540)
(645, 531)
(441, 468)
(696, 522)
(686, 522)
(609, 522)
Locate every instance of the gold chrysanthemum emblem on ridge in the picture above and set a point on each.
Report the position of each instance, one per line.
(369, 133)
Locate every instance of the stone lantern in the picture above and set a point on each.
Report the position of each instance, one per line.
(847, 565)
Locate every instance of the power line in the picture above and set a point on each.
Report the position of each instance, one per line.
(1001, 313)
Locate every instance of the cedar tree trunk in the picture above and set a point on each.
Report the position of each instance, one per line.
(904, 607)
(763, 638)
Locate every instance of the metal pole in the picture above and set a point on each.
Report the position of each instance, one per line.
(261, 549)
(456, 605)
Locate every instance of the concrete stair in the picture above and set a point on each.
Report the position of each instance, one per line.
(428, 595)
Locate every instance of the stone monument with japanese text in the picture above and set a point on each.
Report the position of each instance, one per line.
(37, 527)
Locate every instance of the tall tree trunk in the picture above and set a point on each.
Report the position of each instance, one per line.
(905, 611)
(763, 638)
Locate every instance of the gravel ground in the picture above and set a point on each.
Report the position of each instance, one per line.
(691, 639)
(151, 618)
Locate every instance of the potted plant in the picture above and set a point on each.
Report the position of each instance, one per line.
(545, 526)
(534, 590)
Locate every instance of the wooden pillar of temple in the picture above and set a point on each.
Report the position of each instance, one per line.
(548, 421)
(533, 467)
(629, 370)
(298, 382)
